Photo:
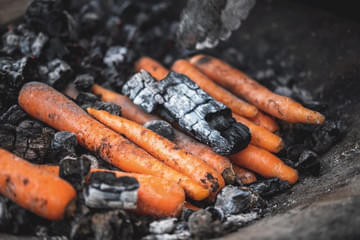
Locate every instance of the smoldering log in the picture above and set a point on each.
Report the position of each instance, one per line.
(180, 100)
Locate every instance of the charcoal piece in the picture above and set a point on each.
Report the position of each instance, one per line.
(109, 107)
(270, 187)
(63, 143)
(202, 224)
(56, 73)
(56, 49)
(186, 213)
(105, 190)
(216, 213)
(179, 99)
(293, 152)
(114, 78)
(214, 20)
(163, 226)
(33, 141)
(234, 200)
(89, 100)
(38, 44)
(114, 56)
(325, 136)
(308, 162)
(94, 162)
(74, 170)
(14, 115)
(86, 98)
(162, 128)
(84, 82)
(7, 136)
(10, 42)
(114, 224)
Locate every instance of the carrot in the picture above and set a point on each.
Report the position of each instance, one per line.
(163, 149)
(132, 112)
(152, 66)
(262, 137)
(239, 83)
(237, 105)
(264, 163)
(245, 175)
(265, 121)
(156, 197)
(48, 105)
(36, 190)
(50, 169)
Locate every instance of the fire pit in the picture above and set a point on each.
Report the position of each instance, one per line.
(293, 48)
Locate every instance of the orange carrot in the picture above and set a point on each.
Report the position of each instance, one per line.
(264, 163)
(53, 108)
(34, 189)
(245, 175)
(239, 83)
(163, 149)
(156, 197)
(237, 105)
(132, 112)
(265, 121)
(50, 169)
(262, 137)
(152, 66)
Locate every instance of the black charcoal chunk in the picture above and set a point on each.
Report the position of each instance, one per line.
(308, 162)
(202, 224)
(10, 42)
(270, 187)
(14, 115)
(105, 190)
(163, 226)
(56, 73)
(162, 128)
(74, 170)
(33, 141)
(214, 20)
(179, 99)
(114, 56)
(94, 162)
(7, 136)
(234, 200)
(89, 100)
(63, 143)
(325, 136)
(84, 82)
(86, 98)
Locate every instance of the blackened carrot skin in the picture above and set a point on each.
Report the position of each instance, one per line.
(35, 189)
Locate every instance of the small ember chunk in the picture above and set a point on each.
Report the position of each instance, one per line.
(162, 128)
(63, 143)
(234, 200)
(269, 187)
(105, 190)
(84, 82)
(179, 99)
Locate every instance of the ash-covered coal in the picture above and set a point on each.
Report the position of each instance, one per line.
(56, 73)
(75, 170)
(269, 187)
(63, 144)
(89, 100)
(84, 82)
(162, 128)
(105, 190)
(180, 100)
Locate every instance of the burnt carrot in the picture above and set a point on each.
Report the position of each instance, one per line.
(261, 137)
(34, 189)
(48, 105)
(241, 84)
(245, 175)
(156, 197)
(152, 66)
(132, 112)
(237, 105)
(163, 149)
(264, 163)
(265, 121)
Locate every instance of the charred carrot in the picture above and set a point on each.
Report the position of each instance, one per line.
(245, 175)
(163, 149)
(35, 189)
(261, 137)
(239, 83)
(132, 112)
(152, 66)
(265, 121)
(48, 105)
(264, 163)
(237, 105)
(156, 197)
